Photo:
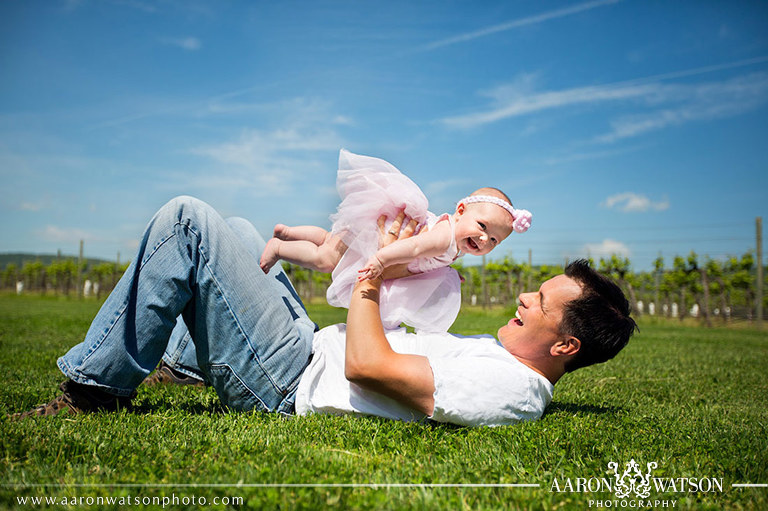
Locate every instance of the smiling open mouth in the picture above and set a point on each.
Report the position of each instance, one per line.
(472, 244)
(518, 319)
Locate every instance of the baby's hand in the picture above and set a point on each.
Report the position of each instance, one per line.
(373, 268)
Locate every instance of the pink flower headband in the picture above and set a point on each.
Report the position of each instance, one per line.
(521, 218)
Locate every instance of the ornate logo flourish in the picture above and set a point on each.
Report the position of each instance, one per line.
(632, 481)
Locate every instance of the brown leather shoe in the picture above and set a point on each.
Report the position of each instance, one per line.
(77, 398)
(165, 375)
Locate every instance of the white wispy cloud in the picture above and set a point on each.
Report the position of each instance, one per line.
(521, 22)
(306, 109)
(267, 162)
(63, 235)
(32, 206)
(662, 104)
(607, 248)
(292, 141)
(438, 187)
(630, 202)
(343, 120)
(185, 43)
(519, 104)
(589, 155)
(702, 102)
(255, 147)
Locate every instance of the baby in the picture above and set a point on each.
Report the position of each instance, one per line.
(371, 187)
(480, 222)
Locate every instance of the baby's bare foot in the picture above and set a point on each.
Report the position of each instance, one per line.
(270, 255)
(281, 232)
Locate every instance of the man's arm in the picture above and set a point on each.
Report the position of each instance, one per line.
(371, 362)
(369, 359)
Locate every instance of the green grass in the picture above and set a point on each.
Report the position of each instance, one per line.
(691, 399)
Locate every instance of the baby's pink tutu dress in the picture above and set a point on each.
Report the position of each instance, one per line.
(371, 187)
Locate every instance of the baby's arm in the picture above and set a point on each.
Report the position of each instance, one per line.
(431, 243)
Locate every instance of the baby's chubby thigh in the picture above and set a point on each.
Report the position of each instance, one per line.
(330, 252)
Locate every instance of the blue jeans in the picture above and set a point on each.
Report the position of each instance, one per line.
(251, 333)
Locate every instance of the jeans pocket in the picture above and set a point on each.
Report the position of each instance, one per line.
(233, 391)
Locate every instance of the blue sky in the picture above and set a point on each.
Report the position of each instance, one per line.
(635, 127)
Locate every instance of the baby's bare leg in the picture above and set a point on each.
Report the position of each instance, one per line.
(330, 252)
(316, 235)
(322, 257)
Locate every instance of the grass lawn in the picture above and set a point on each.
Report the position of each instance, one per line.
(692, 400)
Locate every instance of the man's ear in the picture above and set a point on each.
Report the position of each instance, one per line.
(567, 346)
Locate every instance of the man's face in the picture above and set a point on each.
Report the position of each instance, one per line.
(530, 334)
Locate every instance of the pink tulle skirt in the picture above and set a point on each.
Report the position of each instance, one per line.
(371, 187)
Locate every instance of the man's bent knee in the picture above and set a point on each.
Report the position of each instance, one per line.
(184, 207)
(184, 202)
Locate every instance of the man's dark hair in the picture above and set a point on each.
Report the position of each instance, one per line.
(599, 318)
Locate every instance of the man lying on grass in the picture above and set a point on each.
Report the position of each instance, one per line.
(254, 343)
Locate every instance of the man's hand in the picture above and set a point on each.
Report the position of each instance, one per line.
(401, 228)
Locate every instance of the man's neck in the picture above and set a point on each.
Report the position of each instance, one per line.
(547, 370)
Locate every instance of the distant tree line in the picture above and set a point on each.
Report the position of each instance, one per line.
(61, 277)
(708, 289)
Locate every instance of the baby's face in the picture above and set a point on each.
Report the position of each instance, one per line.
(480, 227)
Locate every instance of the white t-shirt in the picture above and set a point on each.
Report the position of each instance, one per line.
(477, 382)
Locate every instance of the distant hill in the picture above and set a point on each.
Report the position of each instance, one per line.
(20, 258)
